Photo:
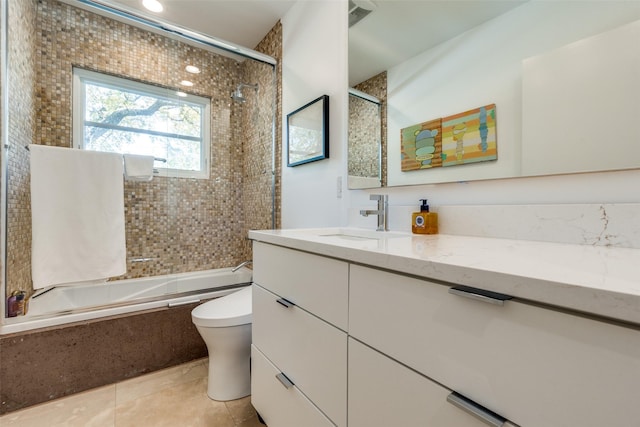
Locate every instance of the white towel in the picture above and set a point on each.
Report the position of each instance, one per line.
(77, 209)
(138, 168)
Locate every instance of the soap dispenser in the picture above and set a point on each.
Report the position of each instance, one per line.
(424, 222)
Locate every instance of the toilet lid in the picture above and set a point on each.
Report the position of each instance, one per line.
(230, 310)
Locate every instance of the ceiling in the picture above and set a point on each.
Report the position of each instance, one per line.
(243, 22)
(397, 30)
(394, 32)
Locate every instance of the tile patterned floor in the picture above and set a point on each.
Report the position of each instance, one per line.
(171, 397)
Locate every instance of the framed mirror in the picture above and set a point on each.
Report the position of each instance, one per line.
(308, 132)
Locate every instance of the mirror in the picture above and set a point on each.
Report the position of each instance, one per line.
(597, 107)
(364, 141)
(308, 132)
(460, 62)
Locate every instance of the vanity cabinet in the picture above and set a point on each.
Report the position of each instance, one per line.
(383, 392)
(279, 403)
(408, 351)
(299, 338)
(532, 365)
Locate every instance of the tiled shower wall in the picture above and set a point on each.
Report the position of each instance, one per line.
(364, 138)
(377, 86)
(21, 64)
(258, 147)
(180, 224)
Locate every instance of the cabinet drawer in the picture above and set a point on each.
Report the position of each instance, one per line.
(315, 283)
(277, 405)
(312, 353)
(384, 393)
(535, 366)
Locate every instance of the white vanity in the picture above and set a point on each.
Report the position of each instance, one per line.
(357, 328)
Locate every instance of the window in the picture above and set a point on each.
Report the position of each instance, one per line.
(124, 116)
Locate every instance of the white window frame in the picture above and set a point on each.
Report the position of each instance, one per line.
(80, 76)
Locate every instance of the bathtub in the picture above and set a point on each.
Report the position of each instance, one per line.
(67, 304)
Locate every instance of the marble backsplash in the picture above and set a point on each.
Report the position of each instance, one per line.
(615, 225)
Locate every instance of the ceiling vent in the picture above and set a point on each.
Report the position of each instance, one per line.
(358, 9)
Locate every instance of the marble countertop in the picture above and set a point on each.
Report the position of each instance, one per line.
(603, 281)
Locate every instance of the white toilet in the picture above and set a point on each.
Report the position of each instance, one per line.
(225, 327)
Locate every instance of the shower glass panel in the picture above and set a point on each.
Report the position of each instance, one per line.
(173, 223)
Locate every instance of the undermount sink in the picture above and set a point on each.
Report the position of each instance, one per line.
(357, 234)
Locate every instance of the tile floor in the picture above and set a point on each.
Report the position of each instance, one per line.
(175, 396)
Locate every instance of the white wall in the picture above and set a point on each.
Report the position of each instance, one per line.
(315, 63)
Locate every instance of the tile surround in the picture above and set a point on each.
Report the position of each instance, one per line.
(180, 224)
(21, 66)
(377, 86)
(362, 147)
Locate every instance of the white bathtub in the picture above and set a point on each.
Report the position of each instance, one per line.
(66, 304)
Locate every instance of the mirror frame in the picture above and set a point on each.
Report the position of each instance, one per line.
(322, 119)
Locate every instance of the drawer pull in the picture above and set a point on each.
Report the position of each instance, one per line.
(285, 302)
(286, 382)
(478, 411)
(480, 294)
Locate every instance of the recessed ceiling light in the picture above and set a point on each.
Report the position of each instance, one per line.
(192, 69)
(181, 94)
(186, 83)
(153, 5)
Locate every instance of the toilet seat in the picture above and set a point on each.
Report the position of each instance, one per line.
(230, 310)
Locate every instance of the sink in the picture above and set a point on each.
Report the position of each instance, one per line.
(359, 235)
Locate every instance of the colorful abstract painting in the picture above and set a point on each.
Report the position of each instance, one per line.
(469, 137)
(421, 146)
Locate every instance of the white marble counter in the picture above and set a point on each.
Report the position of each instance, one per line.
(604, 281)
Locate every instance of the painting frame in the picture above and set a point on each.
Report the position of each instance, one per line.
(308, 132)
(463, 138)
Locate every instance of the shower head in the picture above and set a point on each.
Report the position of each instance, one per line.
(237, 94)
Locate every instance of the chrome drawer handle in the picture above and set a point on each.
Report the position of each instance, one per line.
(480, 294)
(285, 302)
(286, 382)
(478, 411)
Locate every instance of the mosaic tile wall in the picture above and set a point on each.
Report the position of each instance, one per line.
(377, 86)
(180, 224)
(21, 65)
(257, 154)
(364, 138)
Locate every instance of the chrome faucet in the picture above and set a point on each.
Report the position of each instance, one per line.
(382, 211)
(239, 266)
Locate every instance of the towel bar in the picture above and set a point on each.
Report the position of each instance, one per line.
(157, 159)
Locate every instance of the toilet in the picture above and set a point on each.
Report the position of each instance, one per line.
(225, 326)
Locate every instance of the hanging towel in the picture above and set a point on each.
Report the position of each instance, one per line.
(138, 168)
(77, 209)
